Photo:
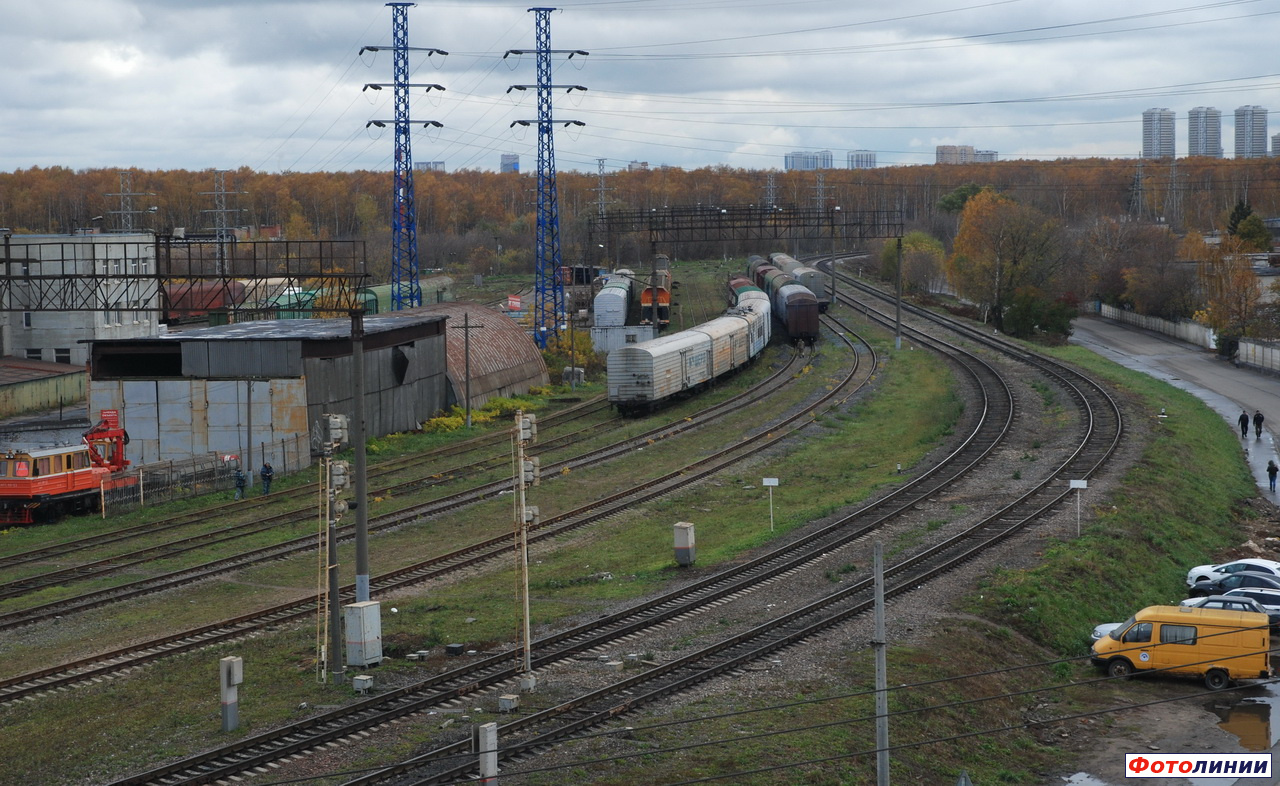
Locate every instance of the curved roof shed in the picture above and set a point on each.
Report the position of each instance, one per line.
(504, 359)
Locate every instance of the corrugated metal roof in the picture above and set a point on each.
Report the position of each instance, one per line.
(13, 370)
(504, 359)
(302, 329)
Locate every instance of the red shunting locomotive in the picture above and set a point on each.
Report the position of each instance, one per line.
(43, 484)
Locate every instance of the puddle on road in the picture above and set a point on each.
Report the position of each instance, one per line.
(1252, 715)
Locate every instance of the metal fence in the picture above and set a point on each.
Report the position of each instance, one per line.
(205, 474)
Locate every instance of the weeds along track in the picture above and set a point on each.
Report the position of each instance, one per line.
(272, 746)
(94, 667)
(424, 466)
(1099, 430)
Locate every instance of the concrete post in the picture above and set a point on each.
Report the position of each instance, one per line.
(231, 674)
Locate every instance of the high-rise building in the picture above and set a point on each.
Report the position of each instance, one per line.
(429, 166)
(862, 159)
(1157, 133)
(1204, 132)
(1251, 132)
(510, 162)
(1275, 145)
(807, 161)
(953, 154)
(985, 156)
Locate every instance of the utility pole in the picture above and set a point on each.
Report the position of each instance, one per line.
(882, 673)
(406, 291)
(358, 443)
(548, 298)
(467, 327)
(897, 302)
(526, 431)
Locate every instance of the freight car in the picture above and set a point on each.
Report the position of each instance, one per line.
(812, 278)
(794, 306)
(190, 301)
(645, 375)
(39, 485)
(613, 301)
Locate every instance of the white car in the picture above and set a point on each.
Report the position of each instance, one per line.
(1214, 572)
(1101, 630)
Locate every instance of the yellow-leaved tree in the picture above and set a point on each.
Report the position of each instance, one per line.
(1002, 246)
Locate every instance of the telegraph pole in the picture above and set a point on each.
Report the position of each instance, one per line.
(548, 302)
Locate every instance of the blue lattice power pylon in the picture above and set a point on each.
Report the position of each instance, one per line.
(406, 291)
(549, 301)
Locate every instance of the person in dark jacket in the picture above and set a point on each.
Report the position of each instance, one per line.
(1272, 471)
(266, 473)
(241, 482)
(1257, 423)
(1244, 424)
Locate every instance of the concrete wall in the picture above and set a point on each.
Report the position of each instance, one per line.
(1188, 331)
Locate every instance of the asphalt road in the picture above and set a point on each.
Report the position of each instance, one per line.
(1224, 387)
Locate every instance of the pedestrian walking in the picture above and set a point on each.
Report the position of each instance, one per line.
(241, 482)
(266, 473)
(1244, 424)
(1272, 471)
(1257, 423)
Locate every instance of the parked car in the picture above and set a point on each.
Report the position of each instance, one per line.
(1268, 599)
(1237, 600)
(1211, 572)
(1230, 581)
(1101, 630)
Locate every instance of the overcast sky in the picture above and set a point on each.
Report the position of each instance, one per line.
(276, 84)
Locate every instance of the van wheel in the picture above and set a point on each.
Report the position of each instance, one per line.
(1217, 679)
(1119, 667)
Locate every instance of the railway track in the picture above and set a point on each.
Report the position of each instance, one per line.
(529, 733)
(1101, 430)
(428, 475)
(536, 731)
(117, 661)
(264, 749)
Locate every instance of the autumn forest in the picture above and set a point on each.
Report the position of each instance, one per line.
(999, 234)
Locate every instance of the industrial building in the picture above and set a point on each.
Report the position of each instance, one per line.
(67, 290)
(259, 389)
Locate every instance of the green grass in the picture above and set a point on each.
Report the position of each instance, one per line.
(1173, 512)
(823, 473)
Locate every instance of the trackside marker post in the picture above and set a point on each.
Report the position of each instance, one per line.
(1079, 486)
(771, 483)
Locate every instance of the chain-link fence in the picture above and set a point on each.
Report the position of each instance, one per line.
(210, 473)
